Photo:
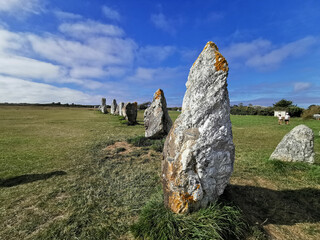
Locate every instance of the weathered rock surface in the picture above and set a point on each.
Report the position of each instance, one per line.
(199, 150)
(130, 111)
(113, 106)
(121, 105)
(296, 146)
(157, 121)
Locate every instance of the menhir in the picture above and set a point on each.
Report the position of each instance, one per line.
(199, 150)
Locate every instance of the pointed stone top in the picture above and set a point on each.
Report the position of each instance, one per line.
(158, 94)
(220, 62)
(212, 45)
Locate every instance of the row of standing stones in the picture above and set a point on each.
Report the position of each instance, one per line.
(127, 110)
(199, 153)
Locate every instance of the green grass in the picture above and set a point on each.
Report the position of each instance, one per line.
(218, 221)
(57, 180)
(141, 141)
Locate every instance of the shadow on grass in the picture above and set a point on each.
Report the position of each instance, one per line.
(28, 178)
(265, 206)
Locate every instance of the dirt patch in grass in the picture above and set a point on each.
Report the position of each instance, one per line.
(128, 148)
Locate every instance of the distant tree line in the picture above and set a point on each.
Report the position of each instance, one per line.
(53, 104)
(282, 105)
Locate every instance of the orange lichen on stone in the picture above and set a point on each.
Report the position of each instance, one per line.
(187, 197)
(179, 202)
(221, 63)
(175, 203)
(158, 94)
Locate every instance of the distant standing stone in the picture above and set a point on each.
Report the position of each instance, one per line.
(130, 112)
(113, 106)
(199, 150)
(121, 105)
(103, 106)
(296, 146)
(103, 102)
(117, 110)
(157, 121)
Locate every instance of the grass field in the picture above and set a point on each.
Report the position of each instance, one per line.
(67, 173)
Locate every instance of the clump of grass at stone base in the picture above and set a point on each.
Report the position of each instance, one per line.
(141, 141)
(218, 221)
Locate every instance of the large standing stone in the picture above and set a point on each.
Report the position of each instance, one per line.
(103, 106)
(113, 106)
(296, 146)
(156, 118)
(130, 111)
(121, 105)
(199, 150)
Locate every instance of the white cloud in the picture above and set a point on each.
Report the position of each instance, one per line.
(247, 49)
(263, 55)
(75, 61)
(10, 41)
(300, 86)
(28, 68)
(278, 55)
(188, 54)
(89, 28)
(150, 54)
(95, 52)
(19, 7)
(67, 15)
(96, 72)
(163, 23)
(160, 75)
(16, 90)
(111, 13)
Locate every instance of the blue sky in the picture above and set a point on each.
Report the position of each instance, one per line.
(78, 51)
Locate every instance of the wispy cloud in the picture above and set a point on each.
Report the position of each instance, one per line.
(162, 75)
(278, 55)
(89, 28)
(247, 49)
(111, 13)
(21, 8)
(301, 86)
(67, 15)
(155, 54)
(164, 23)
(263, 55)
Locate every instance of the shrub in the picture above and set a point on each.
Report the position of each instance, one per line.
(308, 114)
(295, 111)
